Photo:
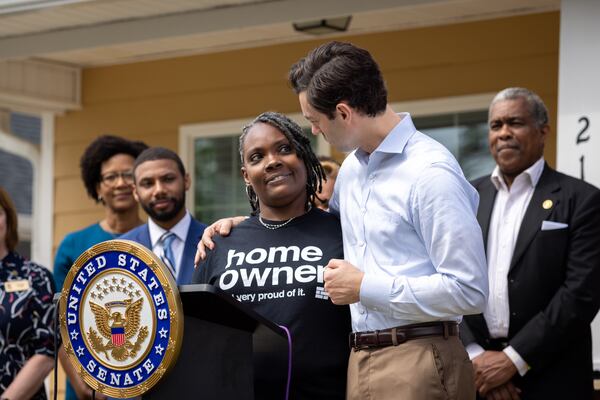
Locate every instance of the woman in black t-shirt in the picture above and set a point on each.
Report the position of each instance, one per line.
(274, 260)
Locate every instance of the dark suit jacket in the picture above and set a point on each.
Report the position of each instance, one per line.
(553, 287)
(141, 234)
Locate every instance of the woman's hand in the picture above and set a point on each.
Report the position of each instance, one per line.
(221, 227)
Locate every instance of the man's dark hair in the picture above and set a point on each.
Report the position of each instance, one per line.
(336, 72)
(300, 144)
(99, 151)
(158, 153)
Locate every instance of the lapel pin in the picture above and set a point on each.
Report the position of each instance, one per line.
(547, 204)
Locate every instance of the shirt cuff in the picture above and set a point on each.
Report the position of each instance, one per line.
(521, 364)
(473, 350)
(375, 292)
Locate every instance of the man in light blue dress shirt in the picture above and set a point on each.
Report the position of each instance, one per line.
(414, 257)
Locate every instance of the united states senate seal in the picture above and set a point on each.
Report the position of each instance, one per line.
(121, 318)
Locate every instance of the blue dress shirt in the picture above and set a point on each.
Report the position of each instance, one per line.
(409, 223)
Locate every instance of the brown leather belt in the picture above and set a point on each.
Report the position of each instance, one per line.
(400, 334)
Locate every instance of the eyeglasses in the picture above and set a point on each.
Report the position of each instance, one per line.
(112, 178)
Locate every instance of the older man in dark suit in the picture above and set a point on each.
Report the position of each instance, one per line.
(542, 232)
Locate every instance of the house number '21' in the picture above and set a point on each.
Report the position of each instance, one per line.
(582, 137)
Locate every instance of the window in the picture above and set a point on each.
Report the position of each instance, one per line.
(18, 171)
(210, 150)
(460, 124)
(218, 184)
(465, 135)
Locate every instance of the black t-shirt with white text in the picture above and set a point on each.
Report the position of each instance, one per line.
(279, 273)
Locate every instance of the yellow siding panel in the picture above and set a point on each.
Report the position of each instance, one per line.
(70, 196)
(73, 221)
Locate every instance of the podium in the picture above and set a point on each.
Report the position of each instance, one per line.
(228, 351)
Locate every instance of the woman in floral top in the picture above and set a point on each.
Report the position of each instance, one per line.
(26, 316)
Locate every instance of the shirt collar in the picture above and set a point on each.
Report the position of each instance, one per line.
(180, 229)
(534, 173)
(395, 141)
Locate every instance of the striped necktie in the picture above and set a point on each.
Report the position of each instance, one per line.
(167, 255)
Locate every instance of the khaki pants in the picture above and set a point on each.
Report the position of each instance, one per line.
(428, 368)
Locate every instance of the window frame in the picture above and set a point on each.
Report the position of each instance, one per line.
(37, 228)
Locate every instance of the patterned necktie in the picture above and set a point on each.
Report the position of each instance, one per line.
(167, 255)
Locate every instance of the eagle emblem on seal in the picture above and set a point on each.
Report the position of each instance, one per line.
(118, 330)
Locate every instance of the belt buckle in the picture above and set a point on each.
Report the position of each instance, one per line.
(352, 338)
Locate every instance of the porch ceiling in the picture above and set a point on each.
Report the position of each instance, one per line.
(104, 32)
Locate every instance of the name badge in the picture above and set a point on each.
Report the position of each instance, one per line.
(16, 286)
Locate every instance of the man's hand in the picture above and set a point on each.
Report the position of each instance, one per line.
(342, 282)
(82, 390)
(492, 369)
(221, 227)
(508, 391)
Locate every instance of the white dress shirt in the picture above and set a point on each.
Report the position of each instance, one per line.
(507, 214)
(408, 221)
(180, 230)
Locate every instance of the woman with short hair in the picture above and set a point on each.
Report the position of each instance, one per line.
(107, 173)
